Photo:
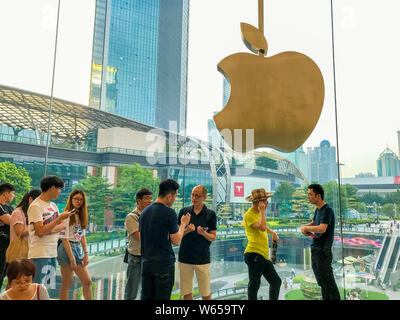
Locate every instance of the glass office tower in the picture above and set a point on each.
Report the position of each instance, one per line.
(139, 64)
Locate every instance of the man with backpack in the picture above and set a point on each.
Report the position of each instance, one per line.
(194, 251)
(144, 198)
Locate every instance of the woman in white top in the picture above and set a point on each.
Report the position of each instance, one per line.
(20, 274)
(72, 254)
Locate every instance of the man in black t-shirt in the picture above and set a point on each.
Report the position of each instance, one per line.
(194, 251)
(7, 194)
(158, 227)
(322, 229)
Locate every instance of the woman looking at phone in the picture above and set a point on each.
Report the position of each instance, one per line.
(72, 254)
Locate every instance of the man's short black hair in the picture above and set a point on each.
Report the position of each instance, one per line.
(51, 181)
(317, 188)
(143, 192)
(166, 187)
(6, 187)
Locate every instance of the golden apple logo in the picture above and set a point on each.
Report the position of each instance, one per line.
(280, 97)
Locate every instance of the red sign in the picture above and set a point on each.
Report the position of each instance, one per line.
(239, 189)
(397, 180)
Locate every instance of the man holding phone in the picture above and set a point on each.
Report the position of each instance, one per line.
(322, 229)
(45, 222)
(194, 252)
(256, 254)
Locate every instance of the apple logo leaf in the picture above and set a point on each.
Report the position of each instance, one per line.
(254, 38)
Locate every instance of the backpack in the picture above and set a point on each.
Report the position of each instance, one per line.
(126, 255)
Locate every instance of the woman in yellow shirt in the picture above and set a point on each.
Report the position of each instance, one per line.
(256, 255)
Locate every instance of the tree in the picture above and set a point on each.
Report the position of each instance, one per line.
(265, 162)
(283, 196)
(224, 213)
(131, 178)
(300, 204)
(97, 191)
(17, 176)
(371, 197)
(388, 210)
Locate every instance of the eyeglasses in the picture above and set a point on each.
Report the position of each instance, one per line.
(197, 195)
(78, 199)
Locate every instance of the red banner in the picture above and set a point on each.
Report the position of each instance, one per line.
(239, 189)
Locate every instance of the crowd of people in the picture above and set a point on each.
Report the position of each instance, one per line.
(35, 236)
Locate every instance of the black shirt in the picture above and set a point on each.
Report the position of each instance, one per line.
(194, 248)
(156, 223)
(5, 228)
(325, 215)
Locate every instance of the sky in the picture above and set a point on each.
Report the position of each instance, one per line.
(367, 51)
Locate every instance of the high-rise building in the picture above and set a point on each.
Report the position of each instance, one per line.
(226, 91)
(322, 163)
(214, 136)
(299, 158)
(398, 141)
(388, 164)
(139, 63)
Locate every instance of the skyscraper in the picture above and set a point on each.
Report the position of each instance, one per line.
(299, 158)
(322, 163)
(388, 164)
(139, 63)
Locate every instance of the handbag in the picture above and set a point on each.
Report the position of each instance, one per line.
(17, 249)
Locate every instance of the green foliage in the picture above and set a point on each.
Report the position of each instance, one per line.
(298, 279)
(131, 178)
(97, 191)
(388, 209)
(300, 204)
(283, 196)
(103, 236)
(294, 295)
(265, 162)
(242, 284)
(224, 213)
(17, 176)
(371, 197)
(310, 290)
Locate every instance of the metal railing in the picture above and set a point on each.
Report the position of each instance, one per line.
(105, 246)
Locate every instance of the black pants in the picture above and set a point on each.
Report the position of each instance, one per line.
(258, 266)
(157, 280)
(322, 266)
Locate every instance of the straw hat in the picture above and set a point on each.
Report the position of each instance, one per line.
(259, 194)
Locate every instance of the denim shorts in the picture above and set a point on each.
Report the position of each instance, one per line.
(77, 252)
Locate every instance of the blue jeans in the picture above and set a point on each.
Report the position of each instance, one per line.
(132, 277)
(157, 280)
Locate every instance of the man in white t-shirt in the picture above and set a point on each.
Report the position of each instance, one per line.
(44, 224)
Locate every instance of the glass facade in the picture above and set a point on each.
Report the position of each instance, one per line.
(144, 46)
(123, 140)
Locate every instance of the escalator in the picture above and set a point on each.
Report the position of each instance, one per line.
(382, 253)
(392, 262)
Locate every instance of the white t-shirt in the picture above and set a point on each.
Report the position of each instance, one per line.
(45, 246)
(73, 233)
